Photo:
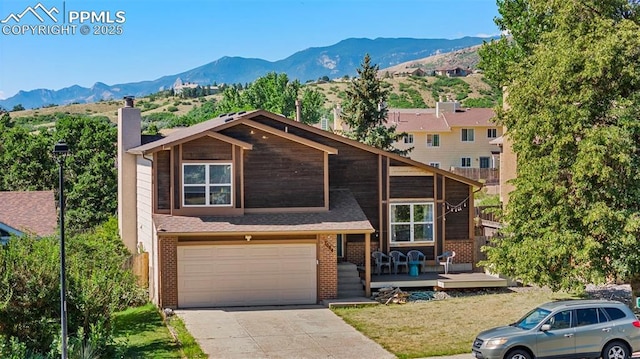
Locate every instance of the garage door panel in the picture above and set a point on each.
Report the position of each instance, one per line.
(198, 269)
(240, 275)
(198, 252)
(196, 284)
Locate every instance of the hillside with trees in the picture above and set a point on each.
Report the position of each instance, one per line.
(166, 109)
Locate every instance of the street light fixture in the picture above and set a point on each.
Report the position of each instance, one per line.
(60, 151)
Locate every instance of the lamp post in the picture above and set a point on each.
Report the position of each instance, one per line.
(60, 151)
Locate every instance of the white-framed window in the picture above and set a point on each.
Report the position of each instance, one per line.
(433, 140)
(408, 138)
(207, 184)
(492, 132)
(465, 162)
(467, 134)
(434, 164)
(411, 222)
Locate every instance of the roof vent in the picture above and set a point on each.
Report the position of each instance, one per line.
(222, 115)
(242, 112)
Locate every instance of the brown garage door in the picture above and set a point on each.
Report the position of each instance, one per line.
(243, 275)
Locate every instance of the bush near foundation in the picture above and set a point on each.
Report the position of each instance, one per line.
(98, 284)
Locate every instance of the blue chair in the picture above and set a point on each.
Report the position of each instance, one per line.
(399, 260)
(381, 260)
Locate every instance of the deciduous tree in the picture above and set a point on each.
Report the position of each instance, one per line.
(574, 98)
(90, 174)
(312, 103)
(273, 92)
(90, 169)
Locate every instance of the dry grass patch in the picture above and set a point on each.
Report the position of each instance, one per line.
(443, 327)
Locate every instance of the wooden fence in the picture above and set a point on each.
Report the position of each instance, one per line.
(139, 265)
(478, 244)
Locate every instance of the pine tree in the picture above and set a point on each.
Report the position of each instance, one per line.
(365, 110)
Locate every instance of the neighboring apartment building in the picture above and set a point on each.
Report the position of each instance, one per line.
(448, 136)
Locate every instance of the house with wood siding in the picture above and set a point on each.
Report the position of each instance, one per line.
(253, 208)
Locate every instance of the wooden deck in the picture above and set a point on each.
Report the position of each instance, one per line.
(438, 280)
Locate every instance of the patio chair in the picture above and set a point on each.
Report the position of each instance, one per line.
(445, 259)
(381, 260)
(399, 260)
(417, 256)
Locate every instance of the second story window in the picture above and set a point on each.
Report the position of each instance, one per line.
(465, 162)
(408, 138)
(433, 140)
(467, 135)
(206, 184)
(492, 132)
(434, 164)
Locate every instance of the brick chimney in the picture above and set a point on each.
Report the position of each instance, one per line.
(129, 124)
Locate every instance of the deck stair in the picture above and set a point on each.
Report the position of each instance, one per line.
(349, 283)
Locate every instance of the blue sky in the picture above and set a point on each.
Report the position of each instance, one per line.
(167, 37)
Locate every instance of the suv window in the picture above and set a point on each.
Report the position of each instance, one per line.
(586, 316)
(561, 320)
(603, 317)
(615, 313)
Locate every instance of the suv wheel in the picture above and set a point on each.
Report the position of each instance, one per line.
(616, 350)
(523, 354)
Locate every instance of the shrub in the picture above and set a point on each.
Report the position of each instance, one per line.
(479, 102)
(172, 109)
(399, 101)
(97, 286)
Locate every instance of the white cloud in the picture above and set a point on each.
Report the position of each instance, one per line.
(2, 96)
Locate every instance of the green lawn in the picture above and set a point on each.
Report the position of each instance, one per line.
(442, 327)
(146, 335)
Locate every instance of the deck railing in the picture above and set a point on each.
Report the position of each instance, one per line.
(490, 176)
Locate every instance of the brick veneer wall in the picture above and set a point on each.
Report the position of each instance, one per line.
(463, 249)
(327, 267)
(168, 249)
(355, 252)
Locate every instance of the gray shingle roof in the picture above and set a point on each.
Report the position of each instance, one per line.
(344, 216)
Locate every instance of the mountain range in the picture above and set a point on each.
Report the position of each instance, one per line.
(333, 61)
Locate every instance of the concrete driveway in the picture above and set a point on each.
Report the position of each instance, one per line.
(278, 332)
